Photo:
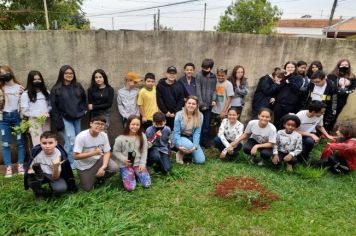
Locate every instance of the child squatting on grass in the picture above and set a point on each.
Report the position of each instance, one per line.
(51, 166)
(340, 155)
(130, 153)
(92, 154)
(261, 135)
(158, 136)
(289, 142)
(230, 130)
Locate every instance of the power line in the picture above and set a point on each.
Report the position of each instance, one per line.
(148, 8)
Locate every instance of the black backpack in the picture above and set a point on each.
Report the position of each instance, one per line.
(66, 170)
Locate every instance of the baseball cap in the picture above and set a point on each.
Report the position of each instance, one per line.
(172, 69)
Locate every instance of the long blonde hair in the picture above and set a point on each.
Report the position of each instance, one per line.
(196, 113)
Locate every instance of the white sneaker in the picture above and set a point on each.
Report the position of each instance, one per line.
(20, 169)
(179, 158)
(261, 163)
(8, 172)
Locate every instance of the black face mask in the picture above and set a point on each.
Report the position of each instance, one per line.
(159, 128)
(205, 73)
(343, 69)
(6, 77)
(37, 84)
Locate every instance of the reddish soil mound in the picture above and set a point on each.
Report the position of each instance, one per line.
(247, 188)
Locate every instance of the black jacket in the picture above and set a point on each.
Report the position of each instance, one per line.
(170, 97)
(66, 170)
(329, 98)
(101, 99)
(265, 90)
(69, 102)
(289, 90)
(342, 93)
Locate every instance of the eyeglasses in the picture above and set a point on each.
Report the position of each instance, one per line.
(99, 123)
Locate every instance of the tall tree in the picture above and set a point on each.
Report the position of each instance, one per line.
(18, 14)
(249, 16)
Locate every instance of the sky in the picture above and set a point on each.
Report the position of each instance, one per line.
(108, 14)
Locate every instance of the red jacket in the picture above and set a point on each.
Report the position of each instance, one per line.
(346, 150)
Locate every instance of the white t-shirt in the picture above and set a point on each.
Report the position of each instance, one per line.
(85, 142)
(12, 97)
(318, 93)
(222, 91)
(34, 109)
(267, 134)
(308, 124)
(46, 161)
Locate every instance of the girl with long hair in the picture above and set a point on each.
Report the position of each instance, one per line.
(10, 92)
(35, 104)
(287, 98)
(130, 153)
(240, 85)
(68, 102)
(314, 67)
(345, 81)
(186, 133)
(100, 95)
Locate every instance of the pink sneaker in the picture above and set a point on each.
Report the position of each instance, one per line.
(8, 172)
(20, 169)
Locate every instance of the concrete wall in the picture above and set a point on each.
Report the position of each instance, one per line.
(120, 51)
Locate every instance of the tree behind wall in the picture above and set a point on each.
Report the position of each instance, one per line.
(20, 14)
(249, 16)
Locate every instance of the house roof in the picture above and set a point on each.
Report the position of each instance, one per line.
(348, 25)
(305, 23)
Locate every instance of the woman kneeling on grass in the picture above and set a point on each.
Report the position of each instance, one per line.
(230, 130)
(261, 135)
(186, 133)
(340, 155)
(130, 153)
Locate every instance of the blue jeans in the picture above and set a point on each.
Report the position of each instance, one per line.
(219, 145)
(307, 146)
(205, 128)
(71, 129)
(198, 155)
(159, 160)
(11, 119)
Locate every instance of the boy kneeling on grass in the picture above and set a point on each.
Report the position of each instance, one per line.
(49, 165)
(340, 155)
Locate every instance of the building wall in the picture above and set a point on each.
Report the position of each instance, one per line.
(118, 52)
(300, 31)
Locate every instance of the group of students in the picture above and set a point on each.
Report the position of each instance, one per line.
(181, 115)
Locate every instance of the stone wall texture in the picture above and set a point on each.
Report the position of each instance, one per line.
(118, 52)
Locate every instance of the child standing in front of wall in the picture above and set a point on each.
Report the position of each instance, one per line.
(147, 101)
(10, 91)
(224, 92)
(127, 97)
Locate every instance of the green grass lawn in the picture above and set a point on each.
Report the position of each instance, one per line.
(183, 204)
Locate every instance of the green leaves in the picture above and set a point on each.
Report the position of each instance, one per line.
(249, 16)
(23, 13)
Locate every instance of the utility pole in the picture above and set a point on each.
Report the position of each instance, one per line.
(332, 13)
(158, 20)
(46, 13)
(113, 23)
(154, 22)
(204, 16)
